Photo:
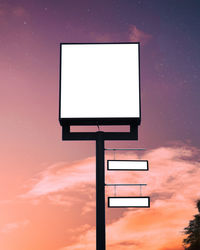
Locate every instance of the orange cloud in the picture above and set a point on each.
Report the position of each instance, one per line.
(172, 185)
(151, 229)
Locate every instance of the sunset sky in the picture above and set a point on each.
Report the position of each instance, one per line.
(47, 186)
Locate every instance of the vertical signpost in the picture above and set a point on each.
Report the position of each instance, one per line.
(100, 85)
(100, 192)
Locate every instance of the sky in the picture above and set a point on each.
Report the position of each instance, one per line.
(47, 186)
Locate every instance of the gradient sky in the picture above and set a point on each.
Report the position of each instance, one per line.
(47, 186)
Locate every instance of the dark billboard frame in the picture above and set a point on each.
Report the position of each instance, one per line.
(131, 121)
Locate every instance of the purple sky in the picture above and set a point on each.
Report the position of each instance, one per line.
(30, 34)
(30, 38)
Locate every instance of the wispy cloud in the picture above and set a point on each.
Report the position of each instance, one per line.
(151, 229)
(137, 35)
(8, 10)
(19, 11)
(172, 186)
(172, 169)
(62, 176)
(10, 227)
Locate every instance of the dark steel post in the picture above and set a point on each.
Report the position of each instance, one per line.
(100, 192)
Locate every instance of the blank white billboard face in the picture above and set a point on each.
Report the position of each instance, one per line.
(100, 81)
(127, 165)
(128, 202)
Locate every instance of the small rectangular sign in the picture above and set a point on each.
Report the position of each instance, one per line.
(127, 165)
(120, 202)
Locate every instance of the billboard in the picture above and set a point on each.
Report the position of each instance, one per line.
(99, 84)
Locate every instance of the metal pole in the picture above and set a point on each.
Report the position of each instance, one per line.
(100, 192)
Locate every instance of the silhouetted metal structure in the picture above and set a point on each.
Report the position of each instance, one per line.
(100, 137)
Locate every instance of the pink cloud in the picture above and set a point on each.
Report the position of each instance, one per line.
(89, 206)
(62, 176)
(170, 168)
(8, 10)
(137, 35)
(172, 185)
(19, 12)
(134, 35)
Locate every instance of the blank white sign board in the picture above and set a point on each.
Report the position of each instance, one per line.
(127, 165)
(99, 81)
(128, 202)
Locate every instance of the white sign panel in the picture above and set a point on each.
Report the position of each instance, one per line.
(128, 202)
(127, 165)
(99, 81)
